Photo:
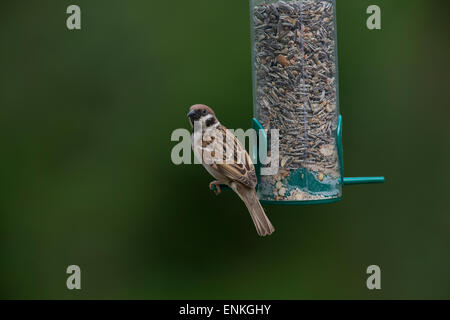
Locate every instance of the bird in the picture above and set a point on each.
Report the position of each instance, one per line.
(227, 161)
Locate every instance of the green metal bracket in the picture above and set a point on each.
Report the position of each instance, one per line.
(347, 180)
(260, 145)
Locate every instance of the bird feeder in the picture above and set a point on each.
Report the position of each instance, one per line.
(295, 94)
(295, 90)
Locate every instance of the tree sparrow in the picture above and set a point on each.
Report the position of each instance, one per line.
(227, 161)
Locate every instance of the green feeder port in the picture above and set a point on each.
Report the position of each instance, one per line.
(310, 182)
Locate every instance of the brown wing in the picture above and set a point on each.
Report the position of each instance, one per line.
(237, 166)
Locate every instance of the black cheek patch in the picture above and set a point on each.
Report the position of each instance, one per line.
(210, 122)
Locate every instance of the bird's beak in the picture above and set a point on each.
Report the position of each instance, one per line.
(191, 113)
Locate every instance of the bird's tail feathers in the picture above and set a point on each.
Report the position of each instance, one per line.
(262, 223)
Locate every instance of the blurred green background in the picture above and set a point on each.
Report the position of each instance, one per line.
(86, 176)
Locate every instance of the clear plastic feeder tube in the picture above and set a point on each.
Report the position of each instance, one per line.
(295, 91)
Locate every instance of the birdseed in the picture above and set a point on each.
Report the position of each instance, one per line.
(295, 90)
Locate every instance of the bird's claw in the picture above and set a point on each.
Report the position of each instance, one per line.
(215, 186)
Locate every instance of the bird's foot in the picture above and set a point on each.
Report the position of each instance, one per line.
(215, 186)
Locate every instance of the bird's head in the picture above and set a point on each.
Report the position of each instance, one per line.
(202, 113)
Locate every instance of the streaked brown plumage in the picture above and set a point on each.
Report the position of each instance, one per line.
(236, 168)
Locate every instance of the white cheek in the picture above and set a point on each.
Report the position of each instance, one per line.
(205, 118)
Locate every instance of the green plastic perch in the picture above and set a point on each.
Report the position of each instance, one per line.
(363, 180)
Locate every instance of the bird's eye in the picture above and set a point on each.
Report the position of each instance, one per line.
(204, 111)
